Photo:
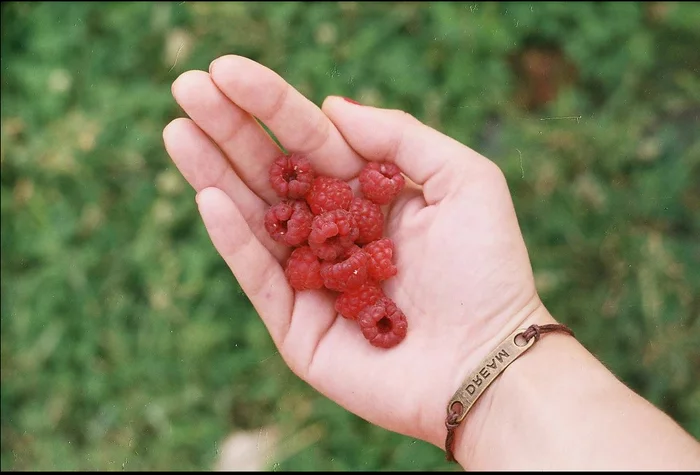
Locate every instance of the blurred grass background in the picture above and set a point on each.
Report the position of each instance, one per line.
(126, 343)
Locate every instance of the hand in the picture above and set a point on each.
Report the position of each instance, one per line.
(464, 279)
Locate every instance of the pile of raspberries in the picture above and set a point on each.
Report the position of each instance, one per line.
(338, 240)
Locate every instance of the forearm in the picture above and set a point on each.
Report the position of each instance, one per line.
(558, 407)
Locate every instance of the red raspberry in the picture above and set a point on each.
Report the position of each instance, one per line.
(381, 182)
(291, 176)
(332, 233)
(383, 323)
(369, 219)
(328, 194)
(351, 302)
(347, 274)
(380, 254)
(303, 269)
(289, 222)
(349, 251)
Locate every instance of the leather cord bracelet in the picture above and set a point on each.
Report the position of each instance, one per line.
(490, 368)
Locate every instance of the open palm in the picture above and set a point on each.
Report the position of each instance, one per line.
(464, 279)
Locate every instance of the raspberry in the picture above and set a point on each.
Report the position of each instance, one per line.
(369, 219)
(332, 233)
(291, 176)
(349, 251)
(383, 323)
(289, 222)
(380, 254)
(347, 274)
(351, 302)
(328, 194)
(381, 182)
(303, 269)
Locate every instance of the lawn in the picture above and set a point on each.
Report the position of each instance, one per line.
(126, 342)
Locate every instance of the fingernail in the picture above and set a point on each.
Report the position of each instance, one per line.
(211, 66)
(351, 101)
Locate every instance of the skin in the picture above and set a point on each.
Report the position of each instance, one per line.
(464, 282)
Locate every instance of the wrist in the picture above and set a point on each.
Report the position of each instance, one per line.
(556, 407)
(492, 411)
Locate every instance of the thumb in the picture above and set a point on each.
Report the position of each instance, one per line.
(429, 158)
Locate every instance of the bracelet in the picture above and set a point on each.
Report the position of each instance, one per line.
(490, 368)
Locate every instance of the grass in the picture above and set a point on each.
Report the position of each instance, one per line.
(128, 345)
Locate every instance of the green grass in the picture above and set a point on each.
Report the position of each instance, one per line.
(126, 342)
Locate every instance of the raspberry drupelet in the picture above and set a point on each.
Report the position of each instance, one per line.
(347, 274)
(328, 194)
(381, 182)
(332, 234)
(380, 266)
(289, 222)
(383, 324)
(351, 302)
(369, 219)
(291, 176)
(303, 270)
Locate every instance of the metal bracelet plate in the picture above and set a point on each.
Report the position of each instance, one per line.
(489, 369)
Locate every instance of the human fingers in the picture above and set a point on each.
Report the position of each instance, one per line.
(249, 149)
(203, 165)
(258, 273)
(298, 123)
